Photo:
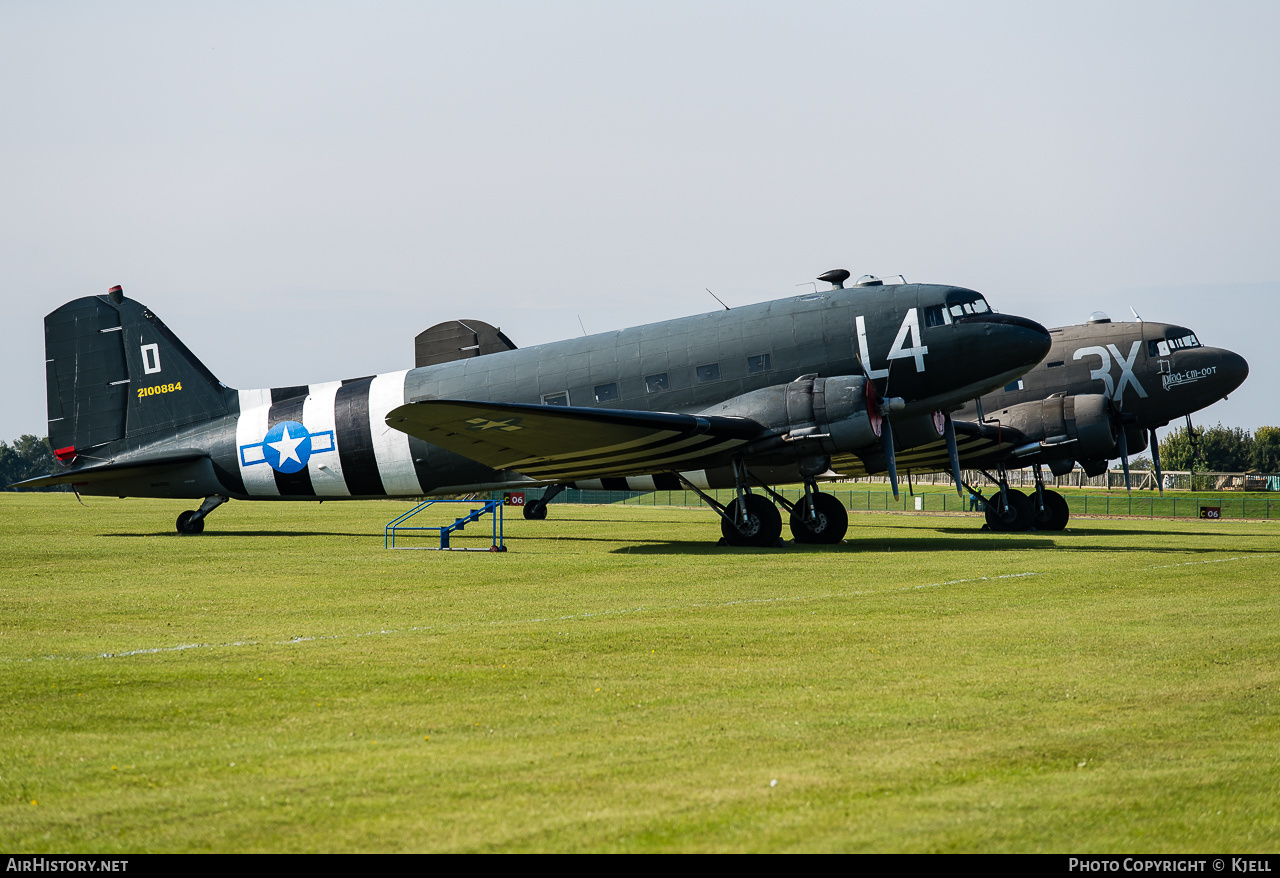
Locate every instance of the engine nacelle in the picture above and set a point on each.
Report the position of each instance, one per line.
(1082, 424)
(809, 416)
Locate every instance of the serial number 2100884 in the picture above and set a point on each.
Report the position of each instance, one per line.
(159, 388)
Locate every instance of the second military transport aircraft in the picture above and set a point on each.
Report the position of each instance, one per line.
(802, 389)
(1099, 395)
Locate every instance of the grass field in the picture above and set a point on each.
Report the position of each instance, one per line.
(616, 682)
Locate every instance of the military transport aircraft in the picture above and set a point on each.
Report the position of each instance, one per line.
(794, 390)
(1100, 394)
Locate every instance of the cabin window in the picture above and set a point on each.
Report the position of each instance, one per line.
(606, 392)
(1014, 385)
(1054, 364)
(1158, 348)
(656, 383)
(561, 398)
(1181, 342)
(709, 372)
(759, 363)
(936, 315)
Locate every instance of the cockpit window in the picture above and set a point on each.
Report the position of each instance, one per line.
(1174, 340)
(961, 303)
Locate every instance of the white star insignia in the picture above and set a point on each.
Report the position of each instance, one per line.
(287, 447)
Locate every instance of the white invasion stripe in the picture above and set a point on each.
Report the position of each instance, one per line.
(589, 485)
(390, 446)
(698, 478)
(251, 429)
(658, 462)
(613, 452)
(324, 466)
(641, 483)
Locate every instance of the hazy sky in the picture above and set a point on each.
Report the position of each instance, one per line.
(299, 188)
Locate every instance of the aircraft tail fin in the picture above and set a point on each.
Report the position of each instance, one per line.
(113, 371)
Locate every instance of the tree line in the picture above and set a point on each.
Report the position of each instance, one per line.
(1209, 449)
(27, 458)
(1220, 450)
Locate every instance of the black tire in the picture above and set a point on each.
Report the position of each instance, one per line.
(1010, 512)
(831, 525)
(189, 524)
(535, 511)
(763, 527)
(1055, 514)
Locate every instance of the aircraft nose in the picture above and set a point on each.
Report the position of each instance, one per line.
(1023, 341)
(1232, 370)
(1217, 371)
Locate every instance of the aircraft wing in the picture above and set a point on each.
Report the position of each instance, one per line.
(568, 443)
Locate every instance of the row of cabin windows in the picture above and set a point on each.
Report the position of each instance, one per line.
(658, 383)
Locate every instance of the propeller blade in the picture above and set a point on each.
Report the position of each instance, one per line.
(1123, 441)
(1155, 460)
(953, 452)
(886, 444)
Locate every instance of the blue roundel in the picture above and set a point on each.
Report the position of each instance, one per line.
(287, 447)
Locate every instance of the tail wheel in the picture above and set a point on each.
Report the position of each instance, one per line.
(1055, 514)
(763, 525)
(827, 527)
(1010, 512)
(190, 524)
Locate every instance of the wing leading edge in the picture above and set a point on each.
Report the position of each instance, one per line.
(568, 443)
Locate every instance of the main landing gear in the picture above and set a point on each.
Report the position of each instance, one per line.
(1010, 511)
(818, 518)
(191, 522)
(751, 519)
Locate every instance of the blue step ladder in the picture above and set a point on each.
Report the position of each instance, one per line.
(487, 507)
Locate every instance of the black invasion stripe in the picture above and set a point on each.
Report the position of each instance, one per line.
(229, 478)
(290, 484)
(586, 471)
(355, 439)
(614, 484)
(666, 482)
(639, 449)
(280, 394)
(658, 450)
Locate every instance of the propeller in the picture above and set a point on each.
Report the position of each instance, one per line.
(878, 409)
(1194, 438)
(1122, 440)
(1119, 419)
(1155, 459)
(953, 452)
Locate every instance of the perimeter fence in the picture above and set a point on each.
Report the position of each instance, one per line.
(859, 499)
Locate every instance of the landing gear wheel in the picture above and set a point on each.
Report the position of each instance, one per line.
(830, 525)
(1055, 514)
(535, 511)
(763, 527)
(1010, 512)
(189, 524)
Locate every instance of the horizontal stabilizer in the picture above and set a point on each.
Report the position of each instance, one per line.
(565, 443)
(137, 468)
